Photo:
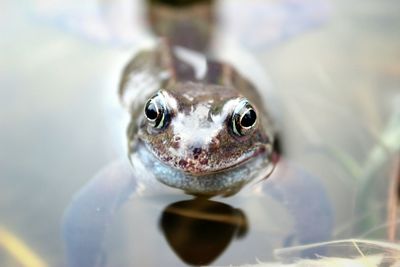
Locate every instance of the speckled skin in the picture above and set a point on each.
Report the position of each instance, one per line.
(197, 150)
(199, 139)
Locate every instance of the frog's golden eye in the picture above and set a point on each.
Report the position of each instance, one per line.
(156, 111)
(244, 118)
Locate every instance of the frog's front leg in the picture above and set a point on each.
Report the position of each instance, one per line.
(305, 198)
(87, 216)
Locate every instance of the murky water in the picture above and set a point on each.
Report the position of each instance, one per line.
(337, 82)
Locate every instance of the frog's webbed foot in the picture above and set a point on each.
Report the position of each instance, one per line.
(86, 218)
(305, 199)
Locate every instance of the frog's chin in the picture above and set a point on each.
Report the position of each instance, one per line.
(225, 181)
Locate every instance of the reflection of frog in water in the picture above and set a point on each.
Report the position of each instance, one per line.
(94, 208)
(197, 125)
(190, 225)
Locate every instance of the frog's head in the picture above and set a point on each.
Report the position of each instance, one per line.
(202, 129)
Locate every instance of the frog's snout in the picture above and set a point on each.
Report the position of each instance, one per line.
(196, 160)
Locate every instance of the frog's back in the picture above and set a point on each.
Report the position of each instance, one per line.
(186, 50)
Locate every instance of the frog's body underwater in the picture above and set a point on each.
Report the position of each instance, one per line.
(197, 124)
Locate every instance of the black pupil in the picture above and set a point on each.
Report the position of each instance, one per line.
(151, 111)
(249, 118)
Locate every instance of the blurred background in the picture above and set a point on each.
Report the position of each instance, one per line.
(334, 66)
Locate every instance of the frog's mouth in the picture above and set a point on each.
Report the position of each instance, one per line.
(203, 163)
(226, 181)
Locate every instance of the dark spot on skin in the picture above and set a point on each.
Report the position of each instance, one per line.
(204, 161)
(197, 151)
(182, 163)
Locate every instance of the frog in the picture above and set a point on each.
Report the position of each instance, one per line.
(198, 126)
(206, 135)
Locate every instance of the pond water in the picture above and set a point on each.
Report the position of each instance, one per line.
(334, 69)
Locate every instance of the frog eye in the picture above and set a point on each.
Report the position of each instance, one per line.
(244, 118)
(156, 111)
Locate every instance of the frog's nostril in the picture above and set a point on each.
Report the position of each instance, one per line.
(197, 151)
(176, 142)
